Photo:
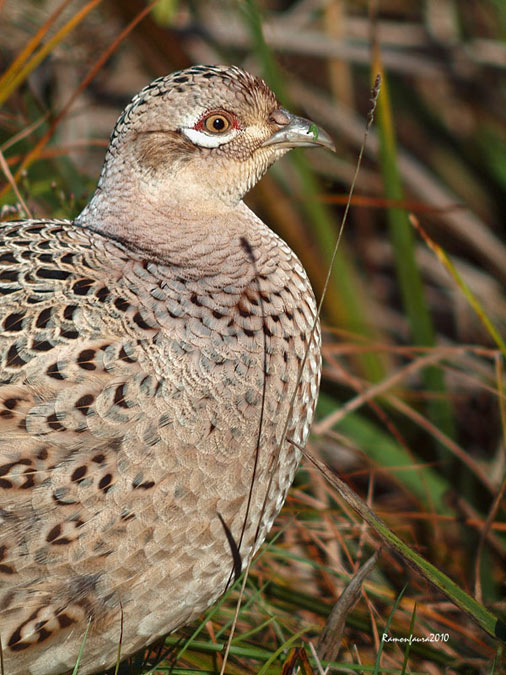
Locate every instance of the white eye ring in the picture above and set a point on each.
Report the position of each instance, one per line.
(205, 140)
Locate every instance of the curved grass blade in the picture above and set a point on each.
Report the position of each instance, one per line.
(494, 626)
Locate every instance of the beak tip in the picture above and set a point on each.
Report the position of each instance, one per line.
(330, 146)
(325, 141)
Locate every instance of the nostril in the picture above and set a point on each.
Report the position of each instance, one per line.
(280, 116)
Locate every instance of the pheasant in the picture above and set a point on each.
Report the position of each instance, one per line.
(150, 353)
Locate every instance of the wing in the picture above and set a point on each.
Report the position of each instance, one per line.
(75, 400)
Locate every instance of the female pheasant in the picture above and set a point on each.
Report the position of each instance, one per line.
(149, 357)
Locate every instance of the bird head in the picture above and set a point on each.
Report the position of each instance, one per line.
(206, 133)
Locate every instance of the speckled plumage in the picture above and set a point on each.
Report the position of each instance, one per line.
(133, 347)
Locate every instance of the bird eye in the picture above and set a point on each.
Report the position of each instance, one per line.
(217, 123)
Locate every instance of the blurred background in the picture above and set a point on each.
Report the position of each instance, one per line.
(412, 412)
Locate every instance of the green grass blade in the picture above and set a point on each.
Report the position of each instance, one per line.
(408, 646)
(403, 242)
(387, 627)
(81, 650)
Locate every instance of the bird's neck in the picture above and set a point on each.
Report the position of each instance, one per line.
(179, 224)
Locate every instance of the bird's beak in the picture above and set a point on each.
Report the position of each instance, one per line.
(298, 132)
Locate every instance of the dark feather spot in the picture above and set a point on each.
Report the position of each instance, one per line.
(29, 481)
(68, 259)
(9, 275)
(121, 304)
(85, 358)
(147, 485)
(82, 286)
(43, 318)
(119, 396)
(5, 290)
(14, 360)
(53, 423)
(53, 533)
(50, 273)
(42, 454)
(43, 635)
(69, 334)
(53, 372)
(35, 229)
(78, 473)
(14, 640)
(18, 646)
(6, 569)
(68, 312)
(12, 403)
(42, 345)
(103, 293)
(124, 356)
(83, 404)
(35, 299)
(14, 322)
(64, 620)
(105, 483)
(140, 321)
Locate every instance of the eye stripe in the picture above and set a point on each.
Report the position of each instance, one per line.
(205, 140)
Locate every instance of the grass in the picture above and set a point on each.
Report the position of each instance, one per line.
(412, 412)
